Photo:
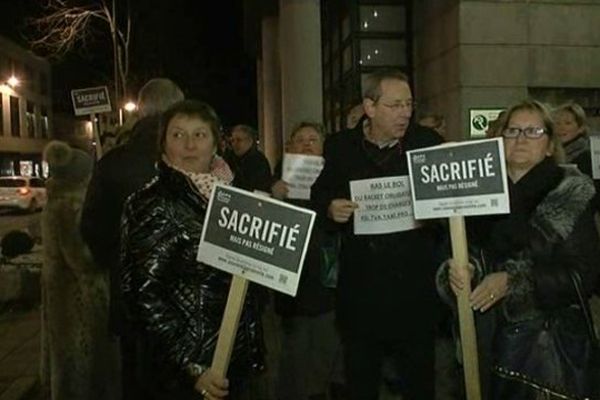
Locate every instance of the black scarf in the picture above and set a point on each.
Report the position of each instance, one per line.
(502, 235)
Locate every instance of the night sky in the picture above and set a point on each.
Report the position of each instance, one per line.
(200, 50)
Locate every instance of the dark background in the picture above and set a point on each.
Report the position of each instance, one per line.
(199, 46)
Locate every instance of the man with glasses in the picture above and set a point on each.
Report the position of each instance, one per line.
(386, 293)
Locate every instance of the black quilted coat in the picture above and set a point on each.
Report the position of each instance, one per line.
(177, 301)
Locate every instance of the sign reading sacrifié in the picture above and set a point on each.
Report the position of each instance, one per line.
(256, 237)
(455, 179)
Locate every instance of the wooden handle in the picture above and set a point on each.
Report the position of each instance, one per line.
(468, 335)
(229, 325)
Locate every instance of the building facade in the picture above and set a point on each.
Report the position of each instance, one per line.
(25, 110)
(462, 56)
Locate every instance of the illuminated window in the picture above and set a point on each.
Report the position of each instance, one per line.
(15, 117)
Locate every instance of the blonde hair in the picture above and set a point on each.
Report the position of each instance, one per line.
(558, 152)
(576, 111)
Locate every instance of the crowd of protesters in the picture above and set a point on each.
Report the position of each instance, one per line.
(367, 311)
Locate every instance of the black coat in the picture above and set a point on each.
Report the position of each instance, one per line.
(118, 174)
(549, 231)
(312, 297)
(176, 300)
(384, 280)
(251, 170)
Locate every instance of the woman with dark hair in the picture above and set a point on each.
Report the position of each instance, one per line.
(177, 301)
(533, 271)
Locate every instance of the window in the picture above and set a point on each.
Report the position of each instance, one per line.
(382, 52)
(36, 183)
(382, 18)
(30, 119)
(15, 116)
(43, 83)
(45, 128)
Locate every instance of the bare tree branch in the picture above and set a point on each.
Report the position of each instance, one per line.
(65, 24)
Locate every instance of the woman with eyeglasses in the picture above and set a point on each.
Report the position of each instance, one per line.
(533, 270)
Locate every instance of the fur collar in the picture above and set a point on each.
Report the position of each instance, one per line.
(556, 215)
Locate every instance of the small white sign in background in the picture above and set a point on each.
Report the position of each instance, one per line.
(300, 172)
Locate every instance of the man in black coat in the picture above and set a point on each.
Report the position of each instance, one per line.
(118, 174)
(250, 167)
(386, 292)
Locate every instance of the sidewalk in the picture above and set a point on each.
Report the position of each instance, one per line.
(19, 353)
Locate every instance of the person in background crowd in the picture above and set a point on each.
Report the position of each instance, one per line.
(571, 128)
(385, 304)
(522, 264)
(250, 167)
(437, 122)
(80, 359)
(179, 301)
(494, 127)
(310, 345)
(117, 175)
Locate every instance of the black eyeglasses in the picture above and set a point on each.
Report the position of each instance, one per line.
(531, 132)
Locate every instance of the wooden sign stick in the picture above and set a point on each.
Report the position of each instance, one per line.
(229, 325)
(96, 135)
(468, 335)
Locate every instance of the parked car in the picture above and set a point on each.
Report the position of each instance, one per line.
(22, 192)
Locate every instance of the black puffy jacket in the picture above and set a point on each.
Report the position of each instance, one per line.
(178, 301)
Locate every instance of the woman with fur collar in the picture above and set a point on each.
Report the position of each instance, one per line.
(521, 265)
(79, 358)
(176, 301)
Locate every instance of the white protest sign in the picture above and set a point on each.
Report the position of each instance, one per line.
(454, 179)
(384, 205)
(595, 150)
(255, 237)
(300, 172)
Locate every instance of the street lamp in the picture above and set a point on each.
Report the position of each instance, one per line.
(130, 106)
(13, 81)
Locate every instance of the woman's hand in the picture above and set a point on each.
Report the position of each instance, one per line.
(491, 289)
(459, 275)
(211, 387)
(279, 190)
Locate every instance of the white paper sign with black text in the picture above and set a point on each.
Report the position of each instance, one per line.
(467, 178)
(255, 237)
(384, 205)
(300, 172)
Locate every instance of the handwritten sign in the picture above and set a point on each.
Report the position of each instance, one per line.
(385, 205)
(300, 172)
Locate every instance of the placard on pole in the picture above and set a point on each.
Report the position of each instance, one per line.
(256, 239)
(453, 181)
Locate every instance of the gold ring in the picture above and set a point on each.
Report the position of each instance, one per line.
(203, 392)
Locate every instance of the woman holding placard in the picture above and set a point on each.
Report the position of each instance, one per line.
(177, 301)
(533, 271)
(310, 350)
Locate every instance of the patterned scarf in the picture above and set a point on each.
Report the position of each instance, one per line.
(219, 173)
